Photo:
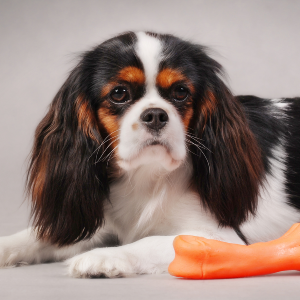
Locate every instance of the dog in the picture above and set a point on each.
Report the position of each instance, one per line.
(144, 141)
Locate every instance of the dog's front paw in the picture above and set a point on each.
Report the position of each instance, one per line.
(8, 255)
(103, 262)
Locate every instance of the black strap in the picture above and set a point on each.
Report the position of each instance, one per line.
(241, 235)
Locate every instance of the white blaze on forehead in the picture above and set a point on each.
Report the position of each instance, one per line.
(134, 134)
(148, 49)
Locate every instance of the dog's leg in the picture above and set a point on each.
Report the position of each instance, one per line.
(149, 255)
(24, 248)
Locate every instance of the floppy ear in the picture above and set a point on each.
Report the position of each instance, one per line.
(229, 169)
(67, 188)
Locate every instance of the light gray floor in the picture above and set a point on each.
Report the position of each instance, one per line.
(48, 281)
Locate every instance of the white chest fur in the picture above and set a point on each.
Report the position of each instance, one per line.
(151, 201)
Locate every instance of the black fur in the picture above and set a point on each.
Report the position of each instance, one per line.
(238, 135)
(68, 203)
(293, 152)
(229, 169)
(68, 188)
(273, 127)
(267, 124)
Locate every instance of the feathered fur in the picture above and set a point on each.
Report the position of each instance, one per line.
(144, 141)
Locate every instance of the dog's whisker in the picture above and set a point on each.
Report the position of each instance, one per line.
(110, 153)
(198, 141)
(107, 139)
(195, 144)
(114, 140)
(198, 145)
(194, 137)
(190, 131)
(203, 155)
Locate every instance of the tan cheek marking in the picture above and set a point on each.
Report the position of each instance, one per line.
(110, 124)
(209, 105)
(169, 76)
(187, 118)
(86, 119)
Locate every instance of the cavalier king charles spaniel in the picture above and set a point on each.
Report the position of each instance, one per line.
(143, 142)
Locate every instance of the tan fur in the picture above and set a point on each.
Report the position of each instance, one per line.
(187, 117)
(167, 77)
(132, 74)
(110, 123)
(128, 74)
(85, 117)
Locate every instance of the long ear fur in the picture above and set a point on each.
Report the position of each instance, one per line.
(228, 175)
(67, 189)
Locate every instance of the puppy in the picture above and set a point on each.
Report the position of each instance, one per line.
(143, 142)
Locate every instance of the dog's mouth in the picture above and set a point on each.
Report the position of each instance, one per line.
(152, 151)
(155, 142)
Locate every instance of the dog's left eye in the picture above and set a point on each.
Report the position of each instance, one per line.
(119, 94)
(180, 93)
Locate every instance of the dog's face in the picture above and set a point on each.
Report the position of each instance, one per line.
(147, 106)
(140, 99)
(146, 99)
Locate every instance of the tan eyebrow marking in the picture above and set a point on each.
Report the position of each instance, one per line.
(128, 74)
(132, 74)
(169, 76)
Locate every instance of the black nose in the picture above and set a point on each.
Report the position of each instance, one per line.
(154, 118)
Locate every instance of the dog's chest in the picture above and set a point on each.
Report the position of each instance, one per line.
(136, 211)
(150, 203)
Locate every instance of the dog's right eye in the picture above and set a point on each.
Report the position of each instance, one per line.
(119, 94)
(180, 93)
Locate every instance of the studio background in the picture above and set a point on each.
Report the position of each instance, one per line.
(257, 41)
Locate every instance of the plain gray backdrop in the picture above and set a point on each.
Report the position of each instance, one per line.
(257, 42)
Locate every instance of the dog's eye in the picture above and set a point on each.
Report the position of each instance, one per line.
(119, 94)
(180, 93)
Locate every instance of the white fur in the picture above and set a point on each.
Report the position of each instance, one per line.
(149, 51)
(23, 248)
(150, 206)
(133, 134)
(153, 202)
(278, 102)
(273, 217)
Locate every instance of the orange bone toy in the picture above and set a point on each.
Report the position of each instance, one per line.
(200, 258)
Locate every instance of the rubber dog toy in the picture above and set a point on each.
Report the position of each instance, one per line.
(200, 258)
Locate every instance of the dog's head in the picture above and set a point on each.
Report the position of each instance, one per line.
(138, 100)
